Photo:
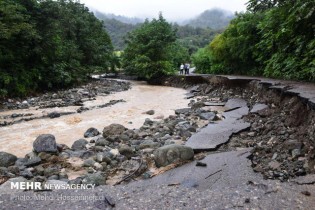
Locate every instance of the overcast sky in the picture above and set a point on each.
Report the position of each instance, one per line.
(171, 9)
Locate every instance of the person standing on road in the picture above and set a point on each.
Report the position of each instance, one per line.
(181, 69)
(188, 67)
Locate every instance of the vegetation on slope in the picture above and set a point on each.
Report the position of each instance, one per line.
(49, 44)
(273, 38)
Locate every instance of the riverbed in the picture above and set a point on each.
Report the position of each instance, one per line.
(18, 138)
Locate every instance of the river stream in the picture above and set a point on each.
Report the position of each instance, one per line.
(18, 138)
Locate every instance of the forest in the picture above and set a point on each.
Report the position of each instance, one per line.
(48, 45)
(273, 38)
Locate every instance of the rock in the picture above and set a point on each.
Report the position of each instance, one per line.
(98, 166)
(4, 171)
(182, 111)
(166, 155)
(88, 163)
(104, 157)
(33, 161)
(75, 181)
(185, 125)
(207, 116)
(97, 179)
(296, 153)
(102, 142)
(7, 159)
(148, 121)
(184, 133)
(197, 105)
(44, 155)
(126, 151)
(85, 154)
(114, 152)
(91, 132)
(27, 174)
(31, 155)
(113, 129)
(50, 171)
(150, 112)
(79, 144)
(14, 170)
(54, 115)
(45, 143)
(39, 170)
(53, 177)
(40, 179)
(148, 144)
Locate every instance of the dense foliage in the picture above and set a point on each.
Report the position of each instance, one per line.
(49, 44)
(152, 50)
(273, 38)
(194, 38)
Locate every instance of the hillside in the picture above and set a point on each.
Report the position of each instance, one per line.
(193, 35)
(214, 18)
(123, 19)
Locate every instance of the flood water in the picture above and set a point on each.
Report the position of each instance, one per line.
(18, 138)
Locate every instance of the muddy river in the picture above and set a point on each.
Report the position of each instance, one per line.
(18, 138)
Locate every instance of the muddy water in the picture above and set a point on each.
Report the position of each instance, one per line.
(18, 138)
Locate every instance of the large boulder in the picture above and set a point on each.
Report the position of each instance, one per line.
(45, 143)
(79, 144)
(91, 132)
(166, 155)
(113, 130)
(7, 159)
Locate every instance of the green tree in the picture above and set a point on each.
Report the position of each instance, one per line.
(202, 60)
(149, 49)
(49, 44)
(17, 36)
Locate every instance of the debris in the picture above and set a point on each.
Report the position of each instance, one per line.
(307, 193)
(201, 164)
